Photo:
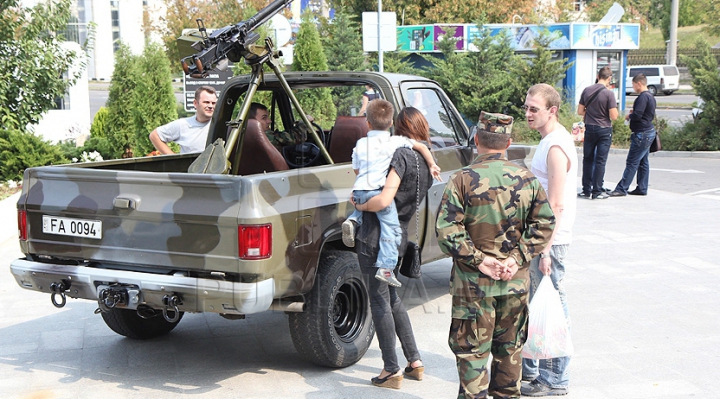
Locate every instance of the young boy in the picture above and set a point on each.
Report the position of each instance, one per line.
(371, 161)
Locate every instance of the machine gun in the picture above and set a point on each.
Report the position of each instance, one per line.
(230, 42)
(236, 42)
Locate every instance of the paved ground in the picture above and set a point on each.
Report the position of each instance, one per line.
(642, 280)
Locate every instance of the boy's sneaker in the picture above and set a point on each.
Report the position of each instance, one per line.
(387, 276)
(348, 233)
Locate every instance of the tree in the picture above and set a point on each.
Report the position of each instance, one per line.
(411, 12)
(155, 102)
(342, 44)
(478, 80)
(309, 56)
(121, 102)
(540, 68)
(33, 60)
(704, 135)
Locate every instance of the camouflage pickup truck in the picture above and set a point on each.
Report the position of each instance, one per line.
(149, 241)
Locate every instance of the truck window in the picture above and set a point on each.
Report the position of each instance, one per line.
(442, 126)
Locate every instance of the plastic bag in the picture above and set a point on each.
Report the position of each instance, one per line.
(578, 131)
(548, 333)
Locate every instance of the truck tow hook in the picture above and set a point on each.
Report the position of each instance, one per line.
(171, 301)
(109, 298)
(59, 289)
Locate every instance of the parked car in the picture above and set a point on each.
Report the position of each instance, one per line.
(660, 78)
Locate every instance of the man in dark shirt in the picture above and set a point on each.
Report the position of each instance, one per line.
(641, 118)
(599, 108)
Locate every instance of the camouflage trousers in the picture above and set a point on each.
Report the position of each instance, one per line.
(496, 325)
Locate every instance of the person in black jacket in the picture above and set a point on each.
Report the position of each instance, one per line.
(641, 118)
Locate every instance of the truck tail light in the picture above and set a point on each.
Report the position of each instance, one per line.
(662, 81)
(255, 241)
(22, 225)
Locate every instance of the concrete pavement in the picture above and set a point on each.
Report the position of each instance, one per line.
(642, 280)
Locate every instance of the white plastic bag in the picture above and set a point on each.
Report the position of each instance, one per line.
(548, 334)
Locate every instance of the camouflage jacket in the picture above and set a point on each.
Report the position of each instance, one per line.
(295, 135)
(492, 207)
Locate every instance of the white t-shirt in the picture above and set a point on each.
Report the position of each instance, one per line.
(371, 157)
(561, 138)
(188, 133)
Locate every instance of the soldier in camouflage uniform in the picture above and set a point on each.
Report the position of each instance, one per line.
(295, 135)
(494, 217)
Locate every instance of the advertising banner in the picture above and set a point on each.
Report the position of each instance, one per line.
(416, 38)
(459, 33)
(523, 36)
(613, 36)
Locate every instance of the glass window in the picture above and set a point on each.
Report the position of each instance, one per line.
(670, 71)
(442, 127)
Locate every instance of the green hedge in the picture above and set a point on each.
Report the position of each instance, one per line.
(20, 150)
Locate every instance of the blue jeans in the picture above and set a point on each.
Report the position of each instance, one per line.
(550, 372)
(637, 161)
(596, 147)
(390, 231)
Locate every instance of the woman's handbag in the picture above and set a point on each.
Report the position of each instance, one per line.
(410, 264)
(656, 145)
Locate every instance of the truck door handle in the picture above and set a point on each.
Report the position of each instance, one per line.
(125, 203)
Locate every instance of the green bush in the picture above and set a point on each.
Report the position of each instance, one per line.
(621, 133)
(20, 150)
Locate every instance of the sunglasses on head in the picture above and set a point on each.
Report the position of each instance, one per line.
(533, 110)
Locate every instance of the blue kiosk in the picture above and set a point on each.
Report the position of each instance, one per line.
(590, 46)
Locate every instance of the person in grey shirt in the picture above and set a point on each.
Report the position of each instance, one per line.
(189, 133)
(599, 108)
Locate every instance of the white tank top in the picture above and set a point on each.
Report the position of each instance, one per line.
(561, 138)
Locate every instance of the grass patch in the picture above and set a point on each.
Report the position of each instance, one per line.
(687, 36)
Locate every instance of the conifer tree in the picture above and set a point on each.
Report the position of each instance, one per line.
(155, 102)
(121, 102)
(309, 56)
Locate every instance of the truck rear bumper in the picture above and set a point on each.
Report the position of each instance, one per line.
(196, 294)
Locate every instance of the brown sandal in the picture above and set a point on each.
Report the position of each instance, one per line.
(416, 373)
(393, 381)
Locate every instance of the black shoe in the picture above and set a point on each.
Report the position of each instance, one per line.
(583, 195)
(537, 389)
(617, 194)
(607, 190)
(600, 196)
(637, 192)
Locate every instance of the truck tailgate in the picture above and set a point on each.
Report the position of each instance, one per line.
(158, 220)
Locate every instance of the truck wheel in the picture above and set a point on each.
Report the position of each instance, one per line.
(336, 329)
(653, 90)
(126, 322)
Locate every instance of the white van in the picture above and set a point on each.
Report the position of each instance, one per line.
(660, 78)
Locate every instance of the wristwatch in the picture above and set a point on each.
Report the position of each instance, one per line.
(543, 255)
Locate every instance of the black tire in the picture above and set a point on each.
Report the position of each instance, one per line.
(336, 329)
(653, 90)
(127, 323)
(668, 92)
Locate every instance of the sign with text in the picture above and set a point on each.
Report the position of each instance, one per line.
(610, 36)
(216, 79)
(416, 38)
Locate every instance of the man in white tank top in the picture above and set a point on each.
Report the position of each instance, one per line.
(555, 166)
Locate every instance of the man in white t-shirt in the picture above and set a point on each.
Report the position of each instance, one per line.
(189, 133)
(555, 166)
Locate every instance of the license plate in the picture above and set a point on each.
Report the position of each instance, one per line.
(72, 227)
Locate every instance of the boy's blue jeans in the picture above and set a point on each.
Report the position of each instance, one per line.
(390, 231)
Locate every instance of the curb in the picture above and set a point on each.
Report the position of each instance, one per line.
(666, 154)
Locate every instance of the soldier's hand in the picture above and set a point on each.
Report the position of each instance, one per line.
(511, 267)
(491, 267)
(435, 171)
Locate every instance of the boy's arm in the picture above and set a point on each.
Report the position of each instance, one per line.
(425, 152)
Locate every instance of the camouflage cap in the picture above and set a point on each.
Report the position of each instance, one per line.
(495, 123)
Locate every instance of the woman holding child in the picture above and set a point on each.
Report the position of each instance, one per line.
(389, 315)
